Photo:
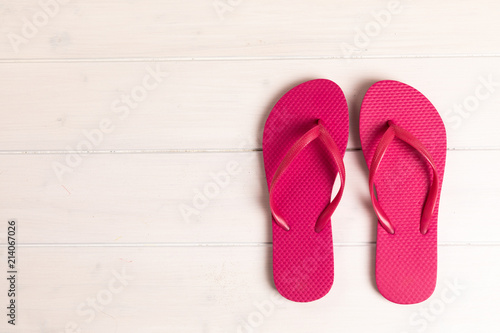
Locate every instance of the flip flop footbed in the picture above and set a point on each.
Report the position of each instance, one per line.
(406, 262)
(302, 257)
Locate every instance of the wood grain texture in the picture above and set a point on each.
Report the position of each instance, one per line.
(222, 104)
(224, 289)
(110, 29)
(192, 198)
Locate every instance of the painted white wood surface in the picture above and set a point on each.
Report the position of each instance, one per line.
(155, 198)
(119, 207)
(225, 289)
(233, 99)
(318, 28)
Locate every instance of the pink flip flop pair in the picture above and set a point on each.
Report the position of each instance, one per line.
(404, 143)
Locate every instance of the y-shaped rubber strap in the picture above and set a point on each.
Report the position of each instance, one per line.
(318, 131)
(430, 203)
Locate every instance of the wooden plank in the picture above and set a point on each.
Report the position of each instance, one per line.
(220, 104)
(98, 29)
(226, 289)
(170, 198)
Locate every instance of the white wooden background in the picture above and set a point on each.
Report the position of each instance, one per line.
(104, 245)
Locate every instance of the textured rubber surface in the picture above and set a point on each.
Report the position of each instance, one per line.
(406, 262)
(303, 258)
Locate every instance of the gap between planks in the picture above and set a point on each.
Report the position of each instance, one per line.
(256, 58)
(225, 244)
(177, 151)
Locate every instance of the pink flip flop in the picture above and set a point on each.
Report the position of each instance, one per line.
(404, 143)
(300, 173)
